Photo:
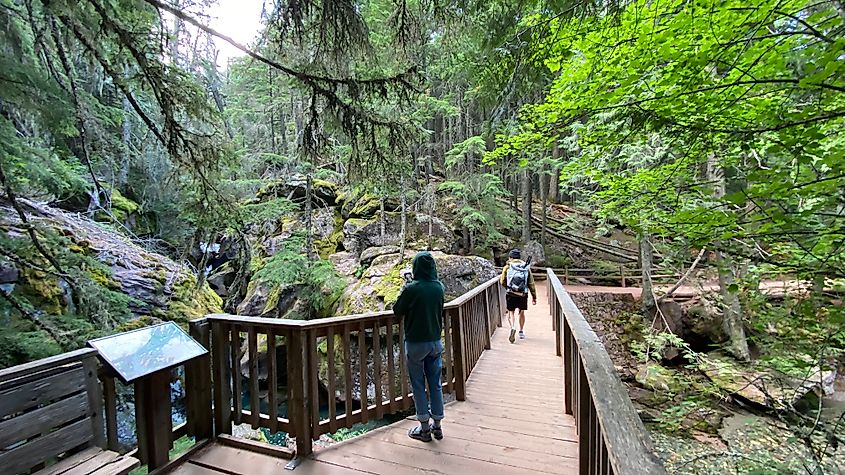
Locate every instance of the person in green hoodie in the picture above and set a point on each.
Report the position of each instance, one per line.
(421, 305)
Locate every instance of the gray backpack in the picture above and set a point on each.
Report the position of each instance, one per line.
(516, 279)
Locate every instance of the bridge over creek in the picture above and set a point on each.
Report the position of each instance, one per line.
(551, 403)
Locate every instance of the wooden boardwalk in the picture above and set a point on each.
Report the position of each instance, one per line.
(511, 422)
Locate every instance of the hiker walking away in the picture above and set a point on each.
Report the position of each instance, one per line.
(421, 305)
(517, 279)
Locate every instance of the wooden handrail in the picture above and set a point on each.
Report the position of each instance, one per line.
(375, 338)
(333, 321)
(612, 438)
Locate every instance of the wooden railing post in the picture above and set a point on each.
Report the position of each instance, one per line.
(622, 273)
(198, 385)
(222, 374)
(110, 401)
(299, 413)
(95, 399)
(458, 352)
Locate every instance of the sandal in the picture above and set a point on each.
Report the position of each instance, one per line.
(417, 433)
(437, 432)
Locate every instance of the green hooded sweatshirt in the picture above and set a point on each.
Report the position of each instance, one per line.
(421, 302)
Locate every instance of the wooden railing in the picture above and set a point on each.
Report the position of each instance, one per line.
(300, 355)
(611, 436)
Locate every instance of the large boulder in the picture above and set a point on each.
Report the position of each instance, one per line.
(371, 253)
(346, 264)
(381, 283)
(124, 285)
(534, 250)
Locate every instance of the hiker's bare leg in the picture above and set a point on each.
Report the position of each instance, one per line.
(510, 319)
(521, 319)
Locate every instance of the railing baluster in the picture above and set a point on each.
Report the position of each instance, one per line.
(332, 387)
(458, 352)
(583, 421)
(391, 366)
(377, 368)
(447, 350)
(254, 405)
(237, 395)
(403, 366)
(272, 381)
(362, 360)
(347, 370)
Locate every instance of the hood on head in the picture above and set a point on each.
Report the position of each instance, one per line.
(424, 267)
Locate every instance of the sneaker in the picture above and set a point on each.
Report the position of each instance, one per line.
(437, 432)
(521, 335)
(417, 433)
(512, 338)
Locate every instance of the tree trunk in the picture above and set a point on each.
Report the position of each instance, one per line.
(270, 111)
(554, 178)
(177, 29)
(731, 307)
(309, 238)
(647, 262)
(526, 206)
(283, 129)
(404, 219)
(544, 192)
(382, 218)
(125, 137)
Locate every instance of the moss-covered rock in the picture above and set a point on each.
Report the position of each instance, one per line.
(117, 285)
(659, 378)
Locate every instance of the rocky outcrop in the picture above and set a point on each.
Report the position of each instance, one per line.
(113, 272)
(360, 234)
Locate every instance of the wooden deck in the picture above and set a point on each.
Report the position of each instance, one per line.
(511, 422)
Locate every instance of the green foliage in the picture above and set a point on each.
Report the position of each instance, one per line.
(320, 285)
(268, 212)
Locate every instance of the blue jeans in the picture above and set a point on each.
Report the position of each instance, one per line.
(425, 364)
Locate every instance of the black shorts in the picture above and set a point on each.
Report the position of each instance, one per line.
(516, 302)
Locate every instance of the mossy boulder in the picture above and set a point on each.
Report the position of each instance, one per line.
(294, 186)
